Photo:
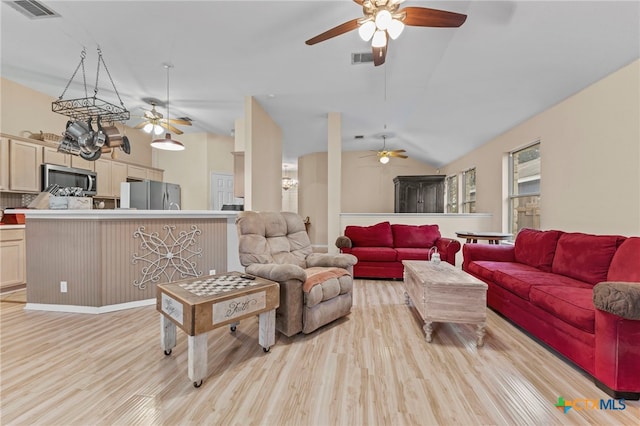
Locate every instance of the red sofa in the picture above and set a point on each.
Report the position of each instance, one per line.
(382, 247)
(578, 293)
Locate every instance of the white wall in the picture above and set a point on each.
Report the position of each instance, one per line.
(590, 160)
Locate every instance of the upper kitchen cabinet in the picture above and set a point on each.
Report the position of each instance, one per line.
(4, 164)
(53, 156)
(24, 172)
(80, 163)
(143, 173)
(110, 174)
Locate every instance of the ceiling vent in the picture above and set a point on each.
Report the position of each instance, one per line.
(33, 9)
(361, 58)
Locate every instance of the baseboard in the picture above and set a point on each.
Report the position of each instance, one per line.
(631, 396)
(89, 309)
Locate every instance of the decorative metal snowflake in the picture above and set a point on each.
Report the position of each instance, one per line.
(167, 256)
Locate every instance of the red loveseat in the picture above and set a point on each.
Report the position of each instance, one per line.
(578, 293)
(381, 248)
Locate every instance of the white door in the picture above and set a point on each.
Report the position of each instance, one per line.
(222, 191)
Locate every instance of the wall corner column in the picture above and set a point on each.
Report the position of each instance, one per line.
(334, 179)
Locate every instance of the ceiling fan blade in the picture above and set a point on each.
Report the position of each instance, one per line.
(177, 121)
(379, 55)
(359, 2)
(171, 128)
(399, 150)
(333, 32)
(425, 17)
(393, 154)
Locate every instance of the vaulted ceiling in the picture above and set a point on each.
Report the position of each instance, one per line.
(441, 93)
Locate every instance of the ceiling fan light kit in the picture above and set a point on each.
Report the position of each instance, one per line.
(383, 19)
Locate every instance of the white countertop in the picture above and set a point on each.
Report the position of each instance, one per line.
(114, 214)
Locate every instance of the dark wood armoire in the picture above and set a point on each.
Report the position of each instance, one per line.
(419, 194)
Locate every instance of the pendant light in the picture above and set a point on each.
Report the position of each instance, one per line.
(167, 143)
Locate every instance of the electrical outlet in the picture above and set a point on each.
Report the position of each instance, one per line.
(63, 286)
(212, 271)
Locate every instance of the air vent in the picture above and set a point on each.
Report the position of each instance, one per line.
(358, 137)
(33, 9)
(361, 58)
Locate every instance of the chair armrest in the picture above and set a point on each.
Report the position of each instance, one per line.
(618, 298)
(344, 261)
(491, 252)
(343, 242)
(448, 247)
(277, 272)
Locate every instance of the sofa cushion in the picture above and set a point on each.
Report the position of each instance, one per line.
(520, 282)
(405, 253)
(378, 235)
(536, 248)
(584, 257)
(415, 236)
(486, 268)
(625, 265)
(573, 305)
(375, 254)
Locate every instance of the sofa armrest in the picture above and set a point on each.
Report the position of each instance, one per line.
(343, 242)
(344, 261)
(448, 247)
(277, 272)
(618, 298)
(491, 252)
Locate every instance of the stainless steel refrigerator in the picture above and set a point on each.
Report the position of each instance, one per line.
(153, 195)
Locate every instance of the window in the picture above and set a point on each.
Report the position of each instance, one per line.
(469, 191)
(452, 193)
(524, 188)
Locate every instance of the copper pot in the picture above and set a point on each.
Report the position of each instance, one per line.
(114, 138)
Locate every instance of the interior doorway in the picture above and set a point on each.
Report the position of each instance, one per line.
(222, 191)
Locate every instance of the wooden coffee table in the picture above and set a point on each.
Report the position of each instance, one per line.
(201, 304)
(492, 237)
(442, 293)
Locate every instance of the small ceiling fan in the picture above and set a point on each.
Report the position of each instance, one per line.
(155, 122)
(383, 19)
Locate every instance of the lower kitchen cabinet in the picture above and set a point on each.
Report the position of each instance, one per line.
(12, 257)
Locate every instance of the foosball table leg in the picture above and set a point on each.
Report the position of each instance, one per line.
(197, 359)
(167, 334)
(267, 329)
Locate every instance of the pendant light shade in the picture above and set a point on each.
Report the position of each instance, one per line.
(167, 143)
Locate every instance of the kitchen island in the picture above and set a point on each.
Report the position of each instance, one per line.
(94, 261)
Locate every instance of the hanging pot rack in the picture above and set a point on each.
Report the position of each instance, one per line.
(94, 108)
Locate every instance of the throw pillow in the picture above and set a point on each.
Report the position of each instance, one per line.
(415, 236)
(378, 235)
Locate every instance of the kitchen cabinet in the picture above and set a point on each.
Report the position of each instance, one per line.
(143, 173)
(109, 174)
(238, 174)
(53, 156)
(80, 163)
(4, 164)
(419, 194)
(24, 172)
(12, 257)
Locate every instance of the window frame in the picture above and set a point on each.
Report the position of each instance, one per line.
(469, 206)
(511, 197)
(448, 198)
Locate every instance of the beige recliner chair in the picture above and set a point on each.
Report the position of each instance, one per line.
(315, 288)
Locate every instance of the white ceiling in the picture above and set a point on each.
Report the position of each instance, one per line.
(441, 93)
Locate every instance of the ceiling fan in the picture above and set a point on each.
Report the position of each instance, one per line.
(383, 19)
(155, 122)
(385, 155)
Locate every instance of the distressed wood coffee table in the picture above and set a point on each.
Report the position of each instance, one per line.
(442, 293)
(202, 304)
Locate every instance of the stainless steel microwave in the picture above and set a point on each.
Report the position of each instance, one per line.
(69, 177)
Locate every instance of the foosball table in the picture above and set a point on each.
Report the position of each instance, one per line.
(198, 305)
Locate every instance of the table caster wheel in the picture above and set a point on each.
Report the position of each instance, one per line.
(267, 349)
(167, 352)
(197, 384)
(232, 328)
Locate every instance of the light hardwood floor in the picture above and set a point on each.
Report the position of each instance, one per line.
(371, 368)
